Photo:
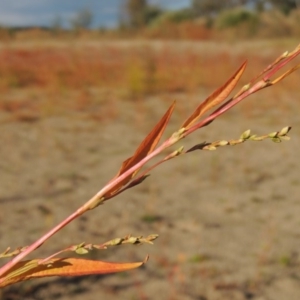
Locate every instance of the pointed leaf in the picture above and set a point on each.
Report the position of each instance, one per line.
(64, 267)
(285, 74)
(216, 97)
(146, 147)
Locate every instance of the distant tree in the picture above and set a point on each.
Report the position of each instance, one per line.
(174, 16)
(259, 5)
(213, 7)
(83, 19)
(137, 14)
(56, 24)
(285, 6)
(152, 12)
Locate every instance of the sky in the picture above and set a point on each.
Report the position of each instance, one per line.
(44, 12)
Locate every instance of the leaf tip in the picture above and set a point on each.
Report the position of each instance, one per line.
(145, 260)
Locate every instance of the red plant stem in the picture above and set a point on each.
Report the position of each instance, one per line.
(281, 65)
(169, 142)
(111, 184)
(83, 208)
(258, 86)
(37, 244)
(172, 140)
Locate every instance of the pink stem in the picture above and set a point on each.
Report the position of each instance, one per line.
(36, 244)
(111, 184)
(81, 210)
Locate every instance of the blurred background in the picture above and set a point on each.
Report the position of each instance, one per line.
(82, 82)
(150, 18)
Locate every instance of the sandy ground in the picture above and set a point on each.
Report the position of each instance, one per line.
(228, 220)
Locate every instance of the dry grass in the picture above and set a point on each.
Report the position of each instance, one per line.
(43, 78)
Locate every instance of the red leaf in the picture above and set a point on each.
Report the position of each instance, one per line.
(215, 98)
(146, 147)
(29, 269)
